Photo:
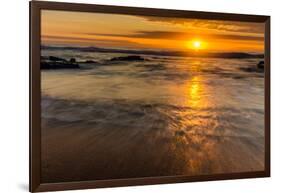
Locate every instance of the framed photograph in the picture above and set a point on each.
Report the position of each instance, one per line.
(123, 96)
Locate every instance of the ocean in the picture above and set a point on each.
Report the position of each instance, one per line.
(161, 116)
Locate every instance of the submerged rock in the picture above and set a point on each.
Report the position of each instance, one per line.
(260, 65)
(128, 58)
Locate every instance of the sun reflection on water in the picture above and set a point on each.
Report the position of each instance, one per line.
(198, 127)
(194, 93)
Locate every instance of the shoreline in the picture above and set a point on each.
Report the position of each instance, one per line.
(98, 148)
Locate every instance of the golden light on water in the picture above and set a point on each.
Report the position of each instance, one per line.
(194, 95)
(195, 89)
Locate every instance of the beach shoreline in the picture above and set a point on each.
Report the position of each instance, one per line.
(89, 147)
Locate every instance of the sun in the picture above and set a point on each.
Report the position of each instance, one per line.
(197, 44)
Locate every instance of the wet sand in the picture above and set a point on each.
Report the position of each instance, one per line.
(157, 140)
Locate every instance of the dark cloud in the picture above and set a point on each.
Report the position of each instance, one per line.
(230, 26)
(52, 37)
(181, 35)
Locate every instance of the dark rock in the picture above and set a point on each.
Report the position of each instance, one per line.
(252, 69)
(260, 65)
(58, 65)
(53, 62)
(56, 59)
(128, 58)
(72, 60)
(89, 61)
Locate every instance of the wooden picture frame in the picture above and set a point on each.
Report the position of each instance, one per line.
(35, 95)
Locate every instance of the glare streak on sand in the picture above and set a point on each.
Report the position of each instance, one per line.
(122, 119)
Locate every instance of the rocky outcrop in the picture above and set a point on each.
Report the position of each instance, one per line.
(260, 65)
(90, 62)
(53, 62)
(56, 59)
(58, 65)
(128, 58)
(258, 68)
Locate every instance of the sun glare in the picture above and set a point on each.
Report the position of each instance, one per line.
(197, 44)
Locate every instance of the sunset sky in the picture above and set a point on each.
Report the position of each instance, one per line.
(143, 32)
